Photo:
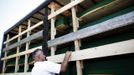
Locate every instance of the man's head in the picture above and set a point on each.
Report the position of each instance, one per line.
(38, 55)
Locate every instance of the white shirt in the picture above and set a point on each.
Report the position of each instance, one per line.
(46, 68)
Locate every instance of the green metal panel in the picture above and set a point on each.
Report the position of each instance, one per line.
(104, 2)
(108, 17)
(118, 65)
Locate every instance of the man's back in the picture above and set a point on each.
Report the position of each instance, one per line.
(46, 68)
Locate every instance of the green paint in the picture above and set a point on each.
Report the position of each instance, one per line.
(104, 2)
(108, 17)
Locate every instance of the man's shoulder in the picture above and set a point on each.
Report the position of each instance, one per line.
(48, 62)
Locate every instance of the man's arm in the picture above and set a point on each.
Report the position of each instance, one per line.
(65, 61)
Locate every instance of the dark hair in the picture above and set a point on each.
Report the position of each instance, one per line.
(34, 53)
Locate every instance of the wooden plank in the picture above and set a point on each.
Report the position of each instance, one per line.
(76, 42)
(18, 48)
(5, 55)
(27, 48)
(17, 61)
(21, 53)
(104, 10)
(32, 37)
(116, 22)
(17, 73)
(64, 8)
(57, 6)
(12, 65)
(118, 48)
(36, 25)
(53, 29)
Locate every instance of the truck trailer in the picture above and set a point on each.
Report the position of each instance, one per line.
(100, 34)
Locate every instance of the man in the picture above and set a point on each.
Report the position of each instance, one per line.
(44, 67)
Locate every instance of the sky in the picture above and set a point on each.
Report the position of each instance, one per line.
(12, 11)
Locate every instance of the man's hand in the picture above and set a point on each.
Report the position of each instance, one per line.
(68, 55)
(65, 61)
